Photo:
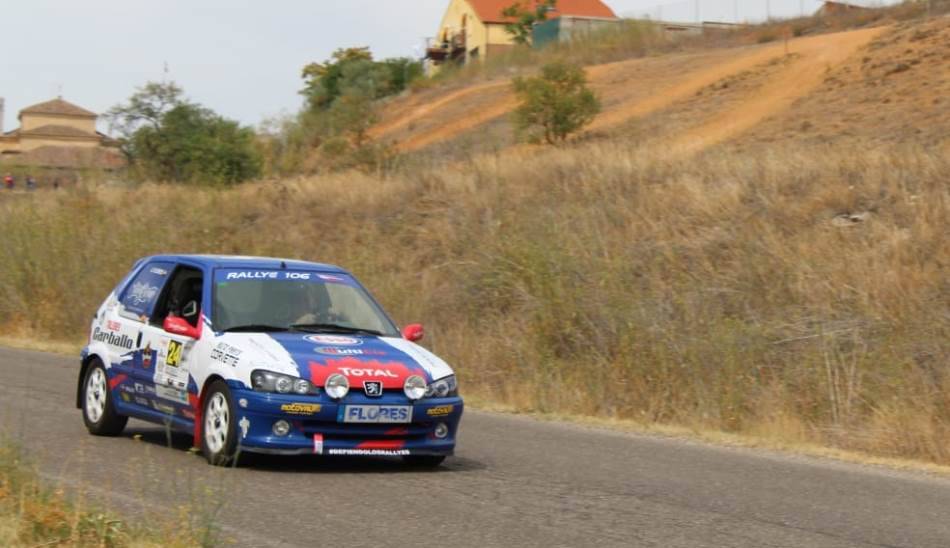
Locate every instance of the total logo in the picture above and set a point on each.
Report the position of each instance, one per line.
(337, 351)
(334, 340)
(349, 372)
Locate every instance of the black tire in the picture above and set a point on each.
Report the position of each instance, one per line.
(101, 420)
(424, 461)
(225, 454)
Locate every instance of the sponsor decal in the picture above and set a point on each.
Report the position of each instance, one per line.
(318, 444)
(139, 388)
(169, 393)
(125, 387)
(259, 275)
(188, 414)
(352, 372)
(173, 356)
(331, 278)
(147, 356)
(113, 325)
(142, 293)
(390, 372)
(141, 401)
(373, 389)
(337, 351)
(245, 426)
(158, 271)
(226, 354)
(268, 275)
(121, 341)
(125, 397)
(243, 402)
(334, 340)
(301, 408)
(163, 408)
(440, 411)
(369, 452)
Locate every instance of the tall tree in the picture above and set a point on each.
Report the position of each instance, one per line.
(170, 139)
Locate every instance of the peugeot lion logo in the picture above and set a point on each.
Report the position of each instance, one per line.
(374, 389)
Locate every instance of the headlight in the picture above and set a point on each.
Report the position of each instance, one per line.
(337, 386)
(268, 381)
(415, 387)
(443, 388)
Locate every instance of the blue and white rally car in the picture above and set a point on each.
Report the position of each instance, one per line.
(265, 356)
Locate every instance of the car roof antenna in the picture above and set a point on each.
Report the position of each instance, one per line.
(283, 265)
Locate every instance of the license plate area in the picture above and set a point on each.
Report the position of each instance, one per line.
(376, 414)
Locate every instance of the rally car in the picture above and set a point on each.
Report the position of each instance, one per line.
(265, 356)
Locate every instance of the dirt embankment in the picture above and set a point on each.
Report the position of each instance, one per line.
(875, 83)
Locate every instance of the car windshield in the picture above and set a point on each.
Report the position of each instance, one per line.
(282, 300)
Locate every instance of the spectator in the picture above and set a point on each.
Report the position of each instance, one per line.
(56, 183)
(30, 183)
(8, 181)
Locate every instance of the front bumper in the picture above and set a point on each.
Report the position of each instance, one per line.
(316, 425)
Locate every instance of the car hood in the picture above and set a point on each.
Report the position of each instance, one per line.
(317, 356)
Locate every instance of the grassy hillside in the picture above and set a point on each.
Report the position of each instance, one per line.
(745, 241)
(800, 293)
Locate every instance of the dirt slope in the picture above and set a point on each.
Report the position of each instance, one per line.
(768, 92)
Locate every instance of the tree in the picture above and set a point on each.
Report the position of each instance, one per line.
(322, 80)
(147, 106)
(170, 139)
(555, 104)
(525, 18)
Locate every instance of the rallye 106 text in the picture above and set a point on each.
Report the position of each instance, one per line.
(265, 356)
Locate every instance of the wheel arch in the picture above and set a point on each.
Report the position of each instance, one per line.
(83, 368)
(200, 406)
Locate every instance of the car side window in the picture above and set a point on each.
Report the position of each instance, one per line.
(182, 296)
(139, 297)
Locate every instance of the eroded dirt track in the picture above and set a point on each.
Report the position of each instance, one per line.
(637, 88)
(515, 482)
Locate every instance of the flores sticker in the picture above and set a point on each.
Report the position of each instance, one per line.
(334, 340)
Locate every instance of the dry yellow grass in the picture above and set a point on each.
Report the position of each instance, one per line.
(33, 514)
(728, 291)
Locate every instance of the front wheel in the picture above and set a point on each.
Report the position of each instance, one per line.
(98, 411)
(424, 461)
(219, 428)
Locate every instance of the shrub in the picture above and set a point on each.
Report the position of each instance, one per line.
(555, 104)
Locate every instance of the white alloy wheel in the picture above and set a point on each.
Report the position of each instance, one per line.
(96, 392)
(217, 423)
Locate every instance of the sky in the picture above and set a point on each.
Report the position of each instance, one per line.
(240, 58)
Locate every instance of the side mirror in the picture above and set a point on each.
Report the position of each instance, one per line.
(414, 332)
(179, 326)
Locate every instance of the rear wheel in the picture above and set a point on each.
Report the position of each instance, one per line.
(98, 411)
(219, 426)
(424, 461)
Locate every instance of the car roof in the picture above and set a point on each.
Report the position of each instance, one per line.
(235, 261)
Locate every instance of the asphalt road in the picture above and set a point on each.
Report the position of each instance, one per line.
(515, 482)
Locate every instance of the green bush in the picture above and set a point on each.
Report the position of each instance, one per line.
(555, 104)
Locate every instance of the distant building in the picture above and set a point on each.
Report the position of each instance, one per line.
(473, 30)
(569, 27)
(59, 134)
(834, 7)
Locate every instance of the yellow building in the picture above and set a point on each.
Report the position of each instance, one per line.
(59, 134)
(475, 29)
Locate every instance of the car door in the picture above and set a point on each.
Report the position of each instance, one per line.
(174, 351)
(131, 320)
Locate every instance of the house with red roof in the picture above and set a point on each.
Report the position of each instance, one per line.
(473, 30)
